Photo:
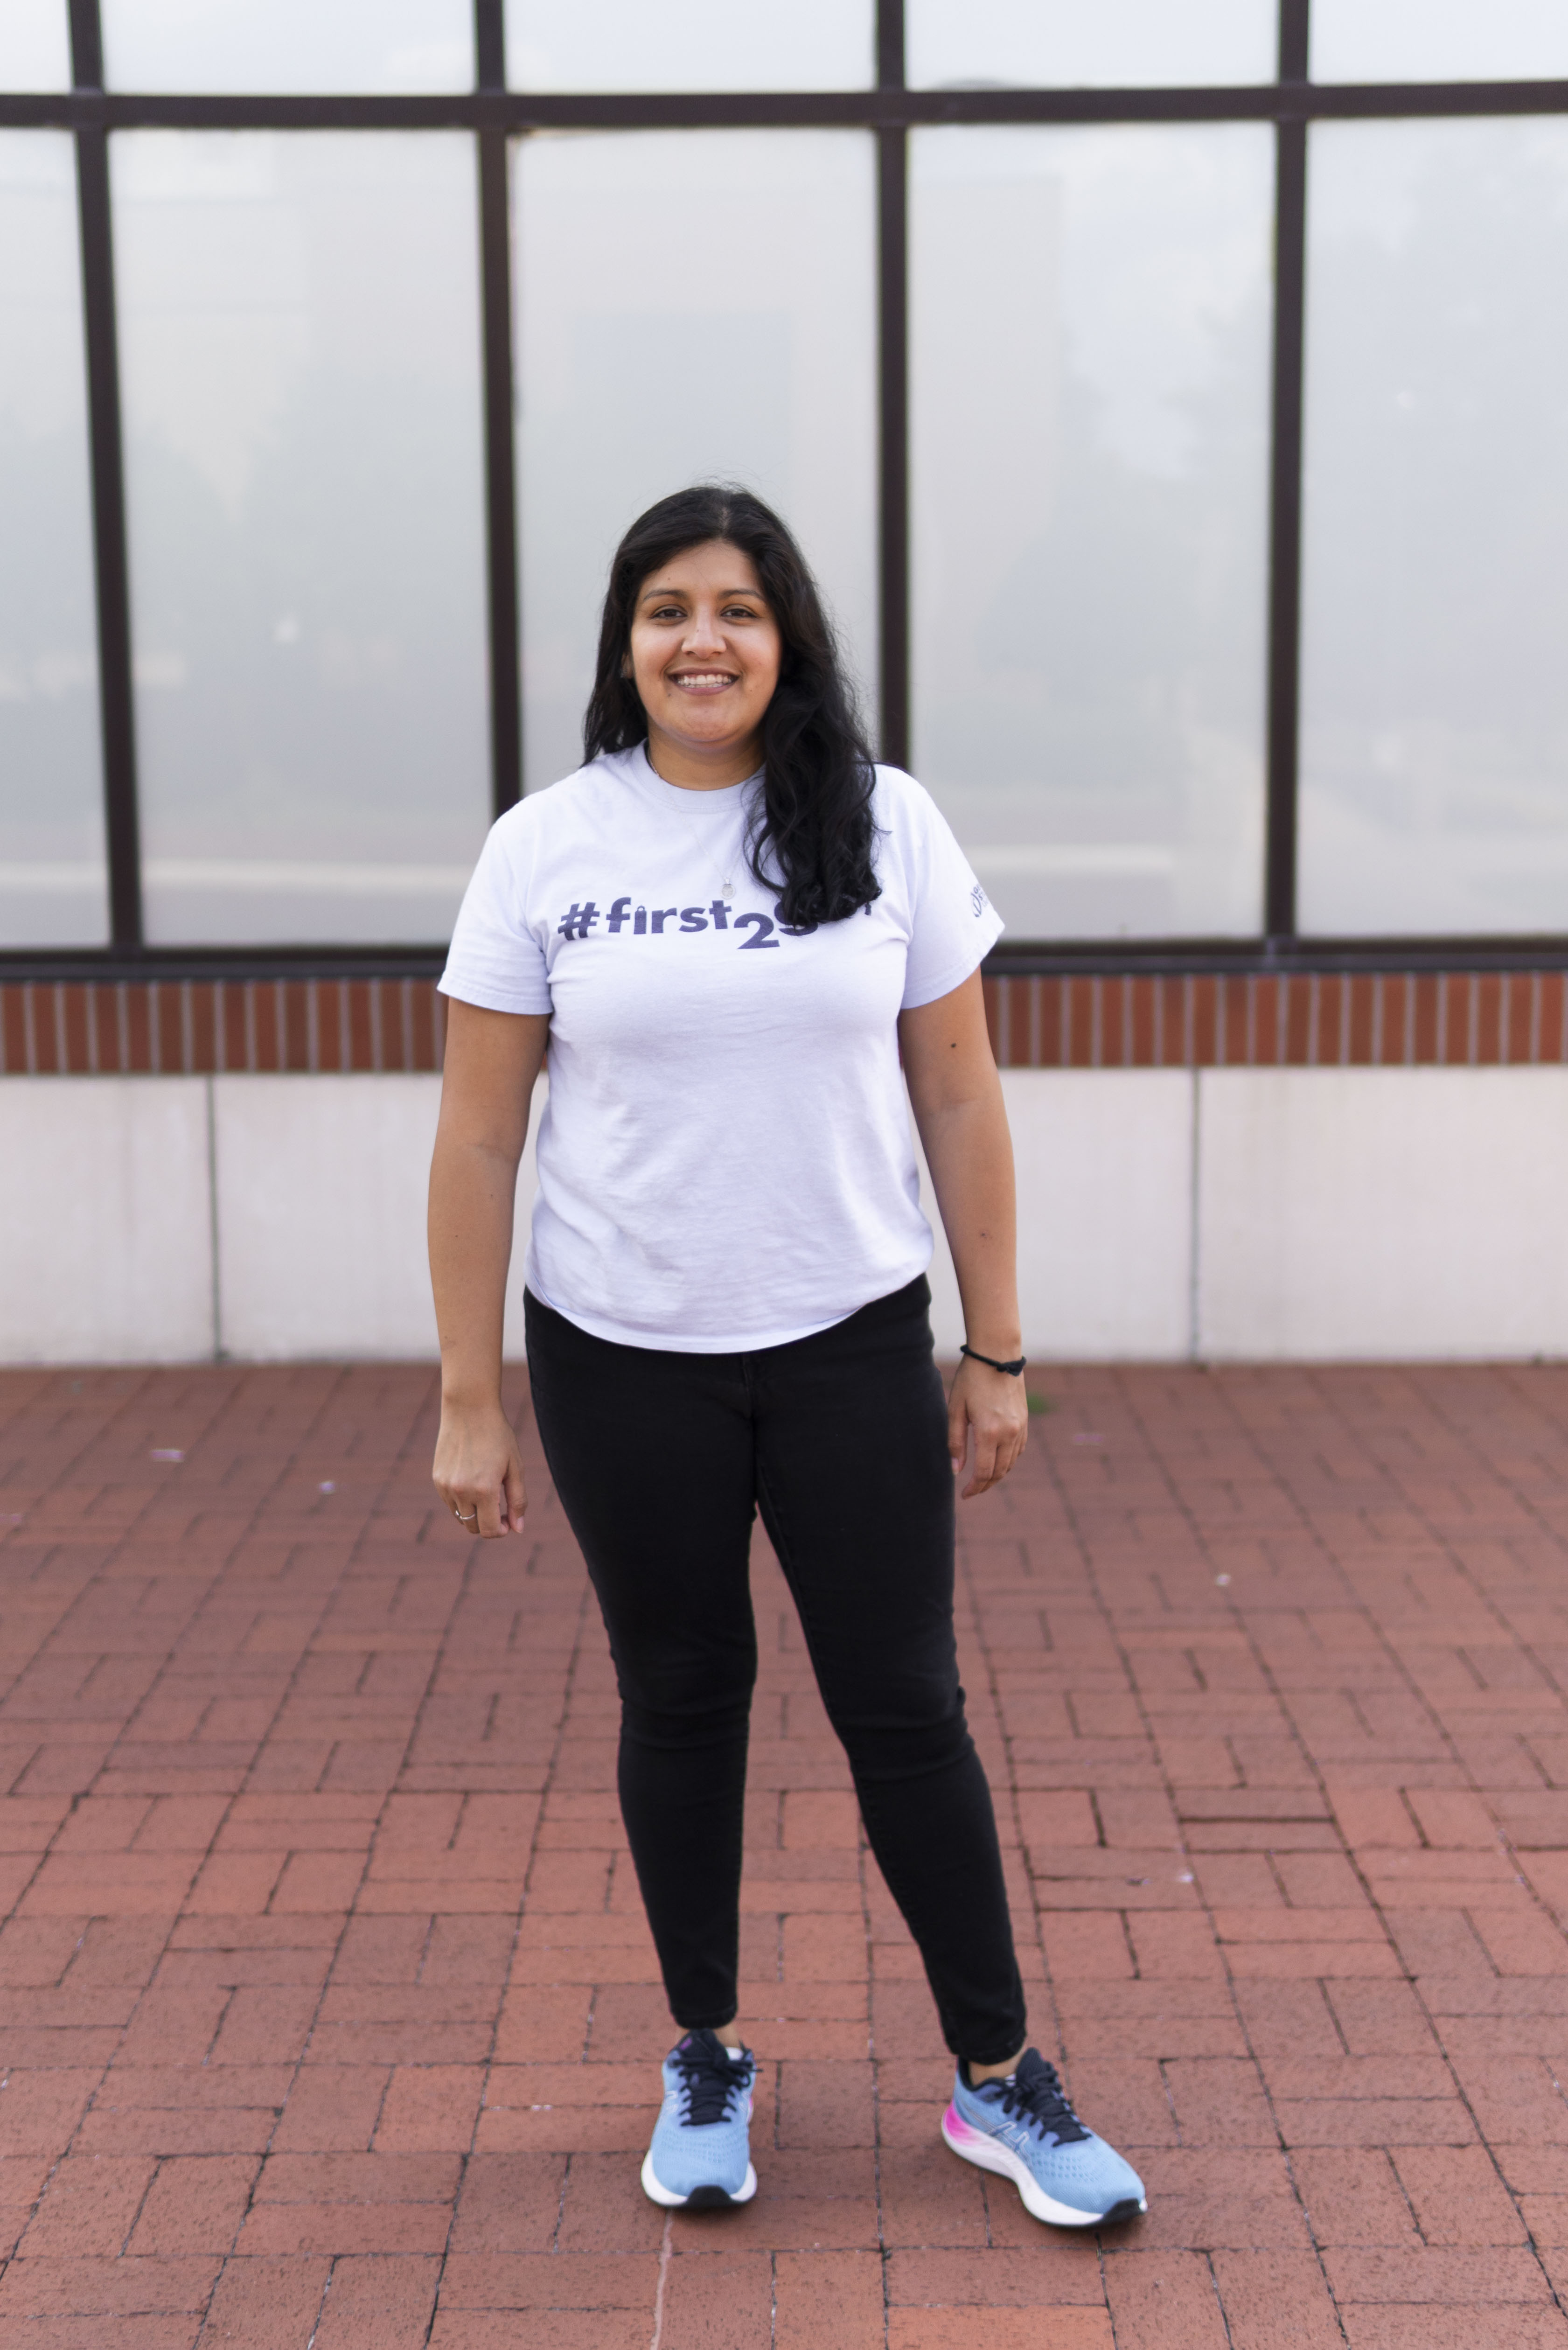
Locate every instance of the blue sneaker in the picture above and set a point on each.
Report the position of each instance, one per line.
(701, 2155)
(1024, 2129)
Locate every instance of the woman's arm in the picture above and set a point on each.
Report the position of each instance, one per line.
(492, 1059)
(962, 1122)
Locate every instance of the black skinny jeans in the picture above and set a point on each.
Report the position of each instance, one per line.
(661, 1460)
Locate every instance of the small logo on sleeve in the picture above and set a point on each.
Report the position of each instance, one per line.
(979, 900)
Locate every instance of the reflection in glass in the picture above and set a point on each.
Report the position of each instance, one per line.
(1062, 44)
(1438, 40)
(1435, 687)
(1090, 328)
(34, 46)
(283, 47)
(52, 876)
(299, 356)
(690, 44)
(639, 375)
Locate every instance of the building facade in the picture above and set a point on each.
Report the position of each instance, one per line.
(1170, 399)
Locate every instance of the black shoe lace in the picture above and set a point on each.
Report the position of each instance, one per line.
(708, 2076)
(1035, 2092)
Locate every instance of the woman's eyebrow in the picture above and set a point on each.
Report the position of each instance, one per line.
(683, 595)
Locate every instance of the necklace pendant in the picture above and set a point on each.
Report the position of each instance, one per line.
(729, 891)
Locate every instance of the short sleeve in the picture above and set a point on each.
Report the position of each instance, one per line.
(952, 923)
(495, 960)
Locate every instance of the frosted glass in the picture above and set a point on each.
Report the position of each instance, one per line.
(35, 44)
(1435, 687)
(690, 44)
(299, 354)
(1090, 328)
(1065, 44)
(1438, 40)
(633, 384)
(52, 876)
(287, 46)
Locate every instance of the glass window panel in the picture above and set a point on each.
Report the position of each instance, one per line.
(1065, 44)
(635, 379)
(35, 44)
(1438, 40)
(690, 44)
(1435, 689)
(52, 874)
(1090, 328)
(299, 352)
(284, 46)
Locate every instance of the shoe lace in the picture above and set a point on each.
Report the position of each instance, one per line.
(1036, 2093)
(708, 2082)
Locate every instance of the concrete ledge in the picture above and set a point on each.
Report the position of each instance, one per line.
(1363, 1213)
(106, 1223)
(1105, 1216)
(320, 1215)
(1262, 1214)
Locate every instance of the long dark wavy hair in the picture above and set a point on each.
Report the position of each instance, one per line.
(812, 831)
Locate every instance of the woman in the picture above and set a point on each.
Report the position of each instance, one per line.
(730, 927)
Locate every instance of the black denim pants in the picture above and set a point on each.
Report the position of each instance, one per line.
(661, 1460)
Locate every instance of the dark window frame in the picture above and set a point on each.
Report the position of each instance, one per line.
(495, 116)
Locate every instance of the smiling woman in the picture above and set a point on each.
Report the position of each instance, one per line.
(726, 1303)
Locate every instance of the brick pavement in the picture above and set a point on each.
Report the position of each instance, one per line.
(330, 2016)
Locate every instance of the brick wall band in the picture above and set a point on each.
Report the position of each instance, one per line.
(197, 1027)
(1303, 1020)
(1306, 1020)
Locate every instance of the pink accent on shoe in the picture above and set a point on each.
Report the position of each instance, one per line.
(954, 2126)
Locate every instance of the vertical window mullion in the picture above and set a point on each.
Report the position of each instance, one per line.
(500, 465)
(893, 381)
(1283, 723)
(117, 713)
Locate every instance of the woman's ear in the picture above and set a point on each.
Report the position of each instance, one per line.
(626, 665)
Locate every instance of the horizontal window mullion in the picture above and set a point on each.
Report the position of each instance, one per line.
(518, 110)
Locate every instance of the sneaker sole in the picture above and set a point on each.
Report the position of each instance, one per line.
(700, 2199)
(986, 2154)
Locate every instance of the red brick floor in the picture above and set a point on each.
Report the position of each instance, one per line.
(331, 2018)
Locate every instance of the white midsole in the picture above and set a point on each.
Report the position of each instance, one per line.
(655, 2190)
(987, 2154)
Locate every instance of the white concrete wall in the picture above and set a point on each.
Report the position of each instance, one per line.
(1243, 1214)
(106, 1232)
(320, 1211)
(1377, 1212)
(1104, 1215)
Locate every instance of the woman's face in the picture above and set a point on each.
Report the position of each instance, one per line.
(705, 651)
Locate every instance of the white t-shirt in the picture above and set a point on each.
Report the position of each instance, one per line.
(725, 1160)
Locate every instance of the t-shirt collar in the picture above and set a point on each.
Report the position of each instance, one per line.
(725, 797)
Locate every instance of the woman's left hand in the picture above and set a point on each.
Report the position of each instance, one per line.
(995, 1406)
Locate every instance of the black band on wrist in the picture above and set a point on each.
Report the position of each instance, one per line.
(1014, 1370)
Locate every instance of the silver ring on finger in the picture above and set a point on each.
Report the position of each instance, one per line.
(471, 1518)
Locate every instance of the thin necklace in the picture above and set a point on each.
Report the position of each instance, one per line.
(726, 881)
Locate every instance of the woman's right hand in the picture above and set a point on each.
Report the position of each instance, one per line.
(478, 1469)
